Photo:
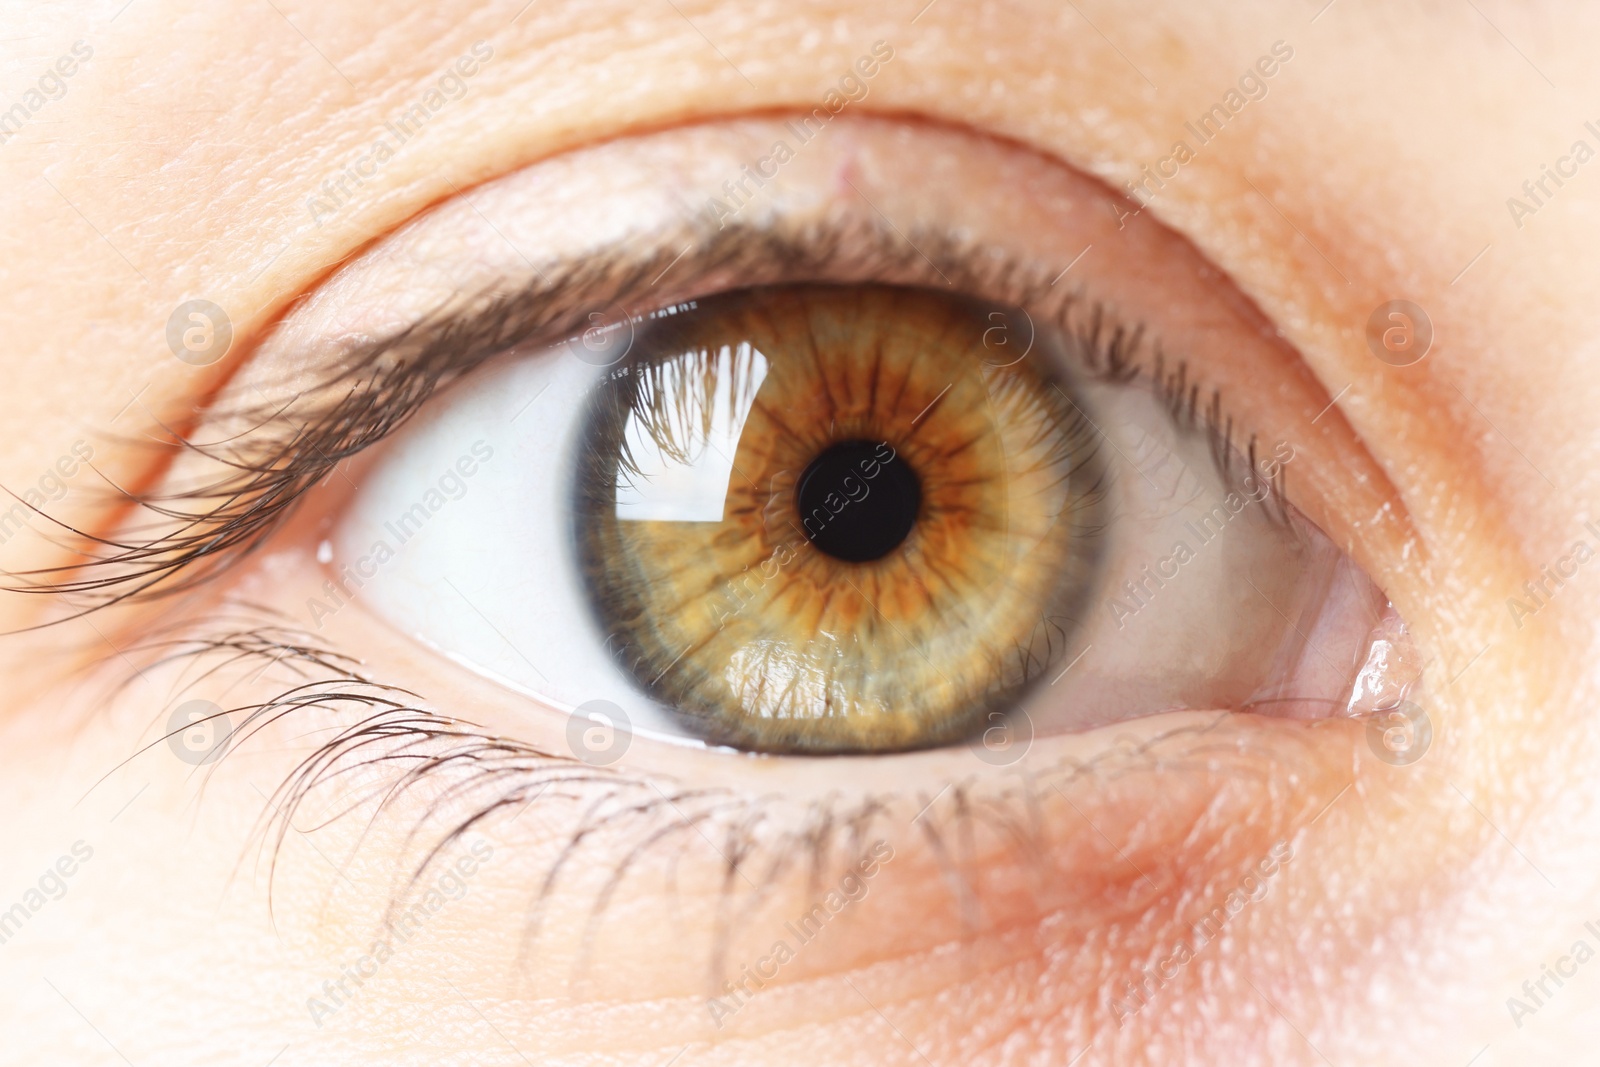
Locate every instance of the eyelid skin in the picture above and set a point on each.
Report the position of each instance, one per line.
(980, 853)
(1050, 229)
(876, 178)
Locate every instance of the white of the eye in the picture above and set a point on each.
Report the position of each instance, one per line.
(480, 566)
(1205, 599)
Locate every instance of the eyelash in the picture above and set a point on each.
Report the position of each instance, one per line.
(379, 386)
(376, 390)
(422, 746)
(473, 776)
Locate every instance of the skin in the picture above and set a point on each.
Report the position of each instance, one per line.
(1418, 899)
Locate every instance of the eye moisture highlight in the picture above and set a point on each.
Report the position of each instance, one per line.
(808, 505)
(938, 515)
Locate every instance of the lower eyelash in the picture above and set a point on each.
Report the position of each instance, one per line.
(475, 777)
(423, 746)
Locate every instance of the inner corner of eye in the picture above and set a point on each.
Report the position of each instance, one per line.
(819, 519)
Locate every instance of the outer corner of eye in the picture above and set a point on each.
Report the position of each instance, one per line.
(821, 519)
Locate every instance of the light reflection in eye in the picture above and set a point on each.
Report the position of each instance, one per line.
(908, 528)
(825, 519)
(681, 467)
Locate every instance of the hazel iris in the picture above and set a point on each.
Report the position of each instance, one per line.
(818, 519)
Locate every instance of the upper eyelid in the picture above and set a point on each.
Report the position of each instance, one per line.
(373, 388)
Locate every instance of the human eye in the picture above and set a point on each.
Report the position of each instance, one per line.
(988, 548)
(857, 507)
(469, 598)
(830, 518)
(858, 472)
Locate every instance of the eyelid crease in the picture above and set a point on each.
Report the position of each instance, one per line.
(374, 387)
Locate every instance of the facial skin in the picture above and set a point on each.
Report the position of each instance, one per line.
(178, 164)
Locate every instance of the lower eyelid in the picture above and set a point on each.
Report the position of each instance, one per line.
(1253, 778)
(1100, 848)
(1210, 770)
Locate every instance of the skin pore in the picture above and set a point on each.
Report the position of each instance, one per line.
(1393, 909)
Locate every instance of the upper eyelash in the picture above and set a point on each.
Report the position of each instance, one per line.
(375, 388)
(1181, 397)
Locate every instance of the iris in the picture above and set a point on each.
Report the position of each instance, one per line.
(816, 519)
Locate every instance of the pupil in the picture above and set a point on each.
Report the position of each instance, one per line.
(856, 506)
